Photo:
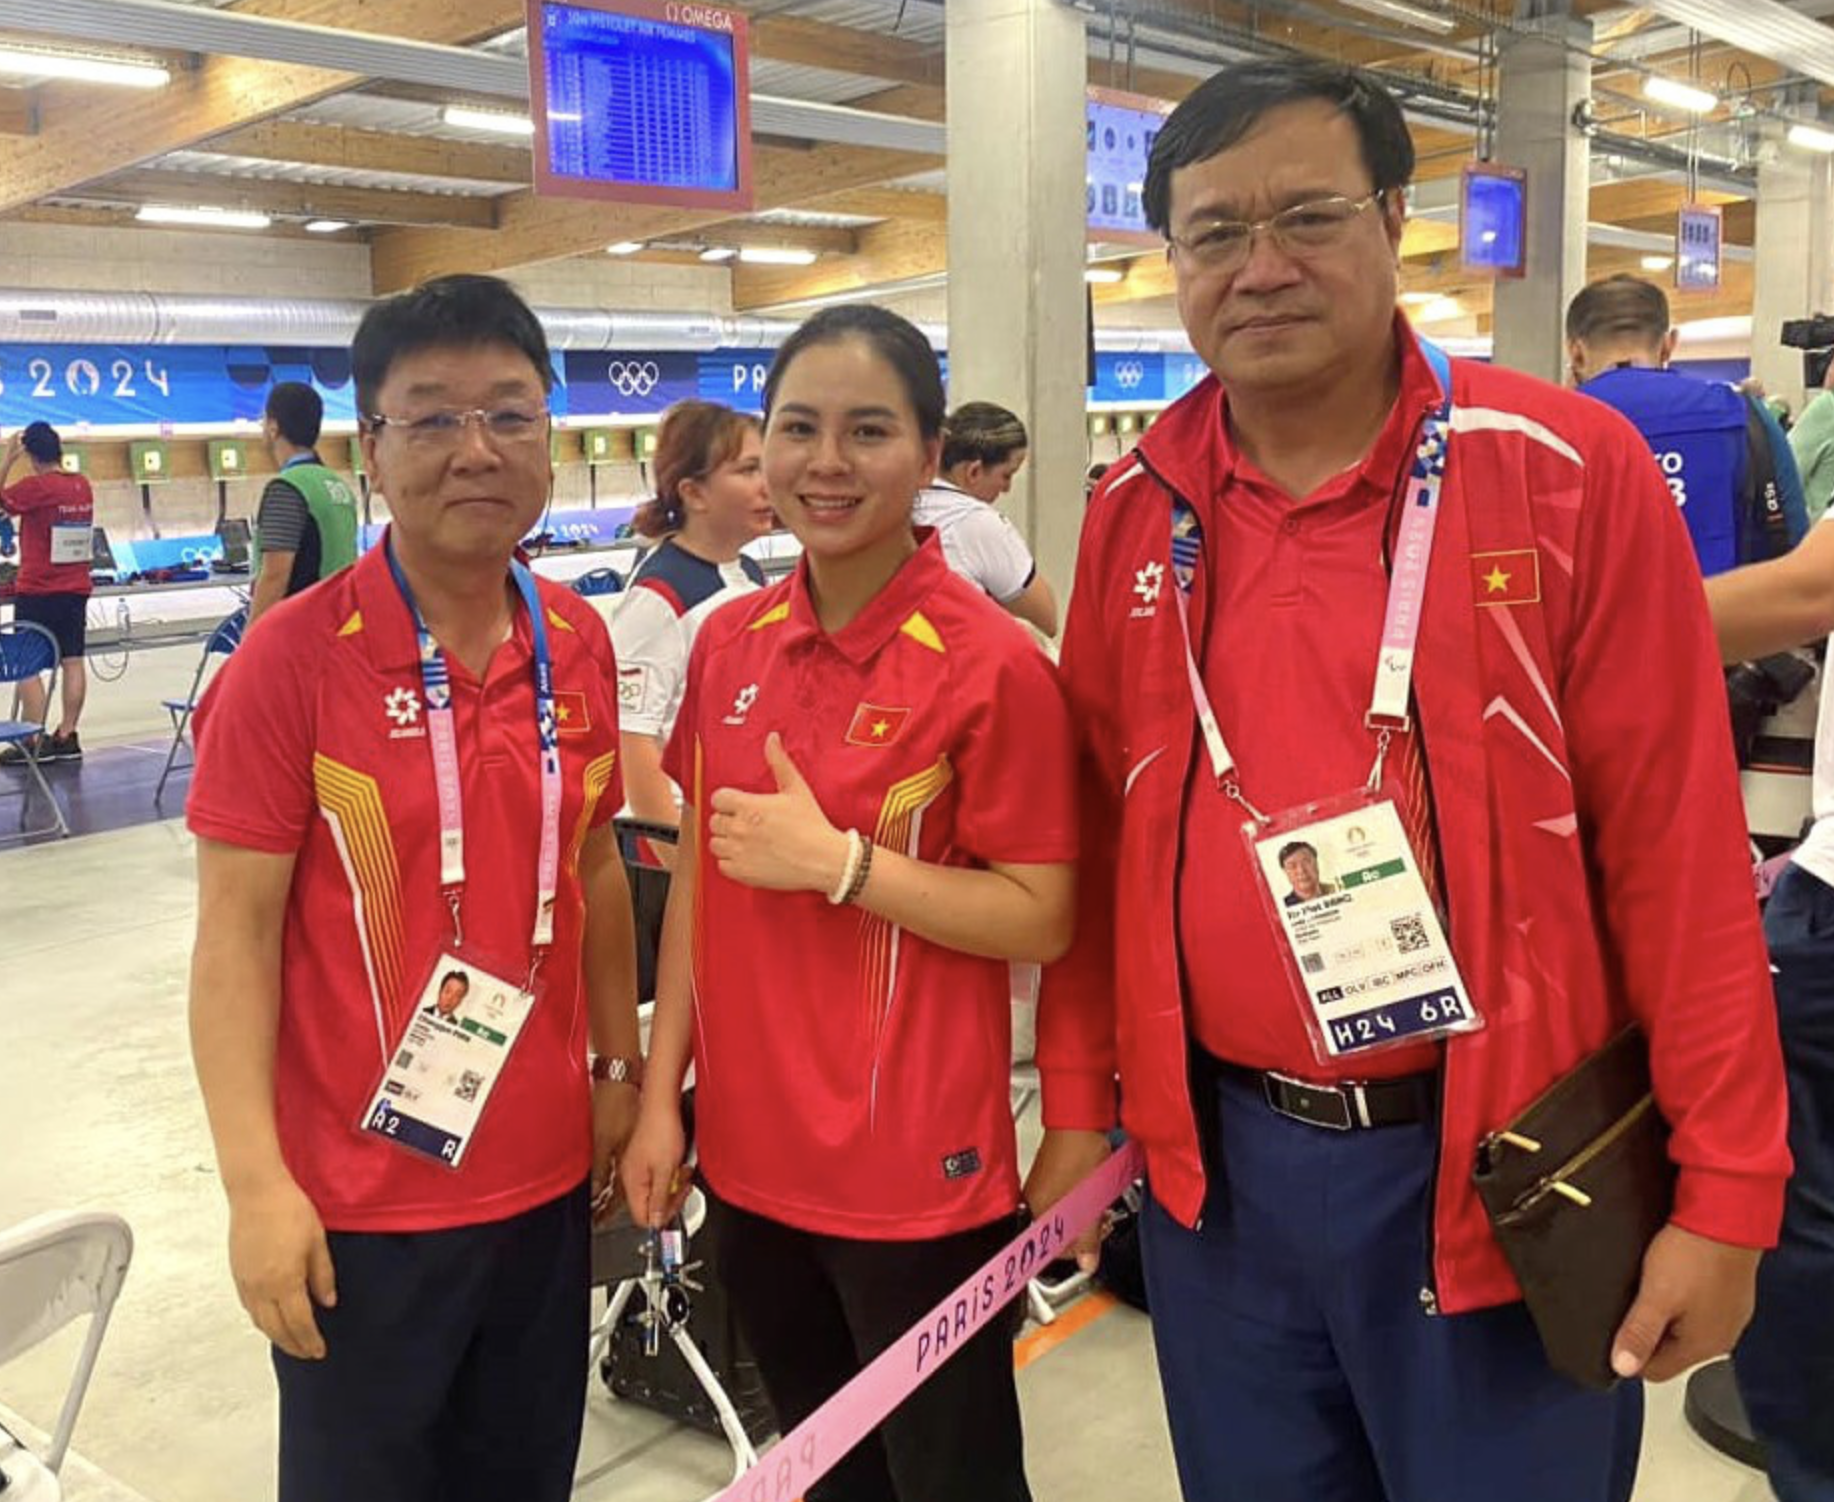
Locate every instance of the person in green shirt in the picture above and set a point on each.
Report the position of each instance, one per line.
(1812, 442)
(306, 525)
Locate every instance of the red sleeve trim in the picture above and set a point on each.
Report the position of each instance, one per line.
(672, 599)
(230, 832)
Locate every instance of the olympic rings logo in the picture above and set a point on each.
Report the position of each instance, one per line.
(633, 377)
(1128, 374)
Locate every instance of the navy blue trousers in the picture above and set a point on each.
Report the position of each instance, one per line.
(1785, 1363)
(455, 1366)
(1299, 1364)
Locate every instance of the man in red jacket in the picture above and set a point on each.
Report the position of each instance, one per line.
(1532, 819)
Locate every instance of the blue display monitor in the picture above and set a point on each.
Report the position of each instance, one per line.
(1121, 129)
(641, 101)
(1493, 220)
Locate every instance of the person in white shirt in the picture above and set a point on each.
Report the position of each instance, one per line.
(983, 447)
(710, 502)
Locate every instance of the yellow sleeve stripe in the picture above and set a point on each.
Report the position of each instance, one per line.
(557, 621)
(596, 778)
(352, 626)
(777, 613)
(919, 629)
(903, 802)
(351, 803)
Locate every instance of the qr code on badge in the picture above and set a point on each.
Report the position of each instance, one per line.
(1410, 935)
(470, 1082)
(1312, 964)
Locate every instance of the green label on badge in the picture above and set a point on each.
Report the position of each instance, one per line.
(489, 1035)
(1374, 873)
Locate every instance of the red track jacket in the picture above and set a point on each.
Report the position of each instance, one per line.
(1588, 810)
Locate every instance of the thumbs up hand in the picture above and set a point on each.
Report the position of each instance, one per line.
(779, 841)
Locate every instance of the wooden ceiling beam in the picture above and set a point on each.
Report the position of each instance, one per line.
(531, 229)
(845, 49)
(296, 200)
(300, 142)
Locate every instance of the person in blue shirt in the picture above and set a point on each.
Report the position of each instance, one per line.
(1723, 454)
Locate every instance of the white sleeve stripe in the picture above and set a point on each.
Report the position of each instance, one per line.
(1491, 420)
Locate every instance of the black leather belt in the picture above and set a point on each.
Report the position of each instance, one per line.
(1349, 1106)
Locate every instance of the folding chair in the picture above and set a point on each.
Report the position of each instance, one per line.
(617, 1246)
(223, 641)
(26, 651)
(53, 1270)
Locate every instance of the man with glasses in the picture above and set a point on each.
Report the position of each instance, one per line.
(405, 775)
(1440, 621)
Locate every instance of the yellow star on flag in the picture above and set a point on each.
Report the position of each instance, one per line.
(563, 713)
(880, 729)
(1496, 581)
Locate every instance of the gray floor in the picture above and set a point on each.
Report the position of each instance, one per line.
(97, 1109)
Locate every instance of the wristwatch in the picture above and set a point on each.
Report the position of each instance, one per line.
(616, 1070)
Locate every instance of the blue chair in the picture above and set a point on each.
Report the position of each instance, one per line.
(598, 581)
(27, 651)
(222, 641)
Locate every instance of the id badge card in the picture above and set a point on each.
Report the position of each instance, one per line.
(1359, 928)
(448, 1059)
(71, 544)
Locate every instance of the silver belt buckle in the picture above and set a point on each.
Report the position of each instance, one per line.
(1344, 1100)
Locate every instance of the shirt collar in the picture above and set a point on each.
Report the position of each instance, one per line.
(885, 614)
(388, 625)
(306, 458)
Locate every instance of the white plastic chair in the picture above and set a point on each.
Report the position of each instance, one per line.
(54, 1269)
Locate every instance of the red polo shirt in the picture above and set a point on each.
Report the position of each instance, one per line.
(42, 502)
(852, 1078)
(312, 742)
(1297, 590)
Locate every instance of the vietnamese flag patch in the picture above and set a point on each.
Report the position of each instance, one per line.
(1511, 578)
(571, 713)
(873, 725)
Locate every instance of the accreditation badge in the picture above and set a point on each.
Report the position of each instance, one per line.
(432, 1094)
(1359, 928)
(72, 544)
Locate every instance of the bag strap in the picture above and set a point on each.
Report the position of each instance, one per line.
(1761, 517)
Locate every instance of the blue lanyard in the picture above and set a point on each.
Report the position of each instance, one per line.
(442, 737)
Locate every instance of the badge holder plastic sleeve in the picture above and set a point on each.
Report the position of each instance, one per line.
(1426, 1019)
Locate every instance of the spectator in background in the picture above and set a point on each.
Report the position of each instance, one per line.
(306, 526)
(56, 514)
(710, 501)
(1812, 442)
(1711, 440)
(983, 448)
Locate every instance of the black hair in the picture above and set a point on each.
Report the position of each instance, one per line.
(1227, 105)
(458, 975)
(40, 440)
(897, 341)
(1619, 307)
(984, 431)
(297, 411)
(1297, 847)
(445, 313)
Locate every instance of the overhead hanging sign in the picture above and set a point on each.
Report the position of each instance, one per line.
(642, 101)
(1699, 230)
(1121, 131)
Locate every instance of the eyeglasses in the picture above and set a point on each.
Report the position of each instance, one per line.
(1302, 230)
(503, 427)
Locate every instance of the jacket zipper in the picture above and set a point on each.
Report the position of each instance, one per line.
(1178, 851)
(1429, 1287)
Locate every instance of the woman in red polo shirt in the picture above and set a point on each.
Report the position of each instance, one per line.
(879, 805)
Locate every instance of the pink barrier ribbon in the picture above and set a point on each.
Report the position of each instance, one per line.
(816, 1445)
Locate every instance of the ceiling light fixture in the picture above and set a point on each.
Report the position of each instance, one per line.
(624, 248)
(776, 255)
(1657, 263)
(163, 213)
(326, 226)
(718, 253)
(1681, 96)
(1440, 310)
(1811, 137)
(1419, 299)
(500, 121)
(1407, 15)
(1104, 276)
(22, 62)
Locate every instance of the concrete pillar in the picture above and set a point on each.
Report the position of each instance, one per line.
(1542, 76)
(1017, 72)
(1795, 256)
